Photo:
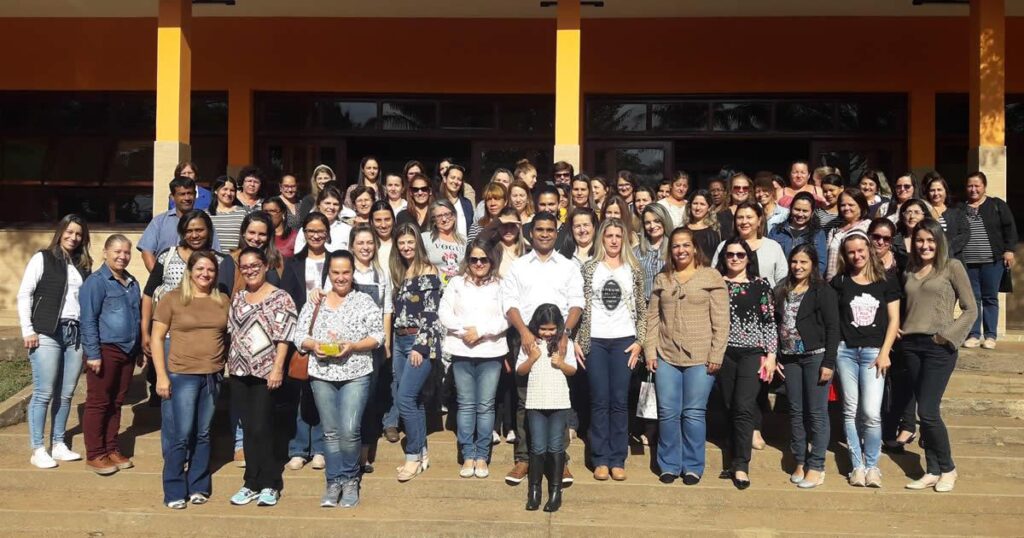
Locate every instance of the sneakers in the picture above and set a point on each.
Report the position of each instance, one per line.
(41, 459)
(122, 461)
(61, 452)
(567, 478)
(989, 343)
(296, 463)
(331, 495)
(268, 497)
(972, 342)
(858, 477)
(874, 478)
(179, 504)
(495, 438)
(318, 462)
(925, 482)
(391, 434)
(101, 466)
(350, 494)
(510, 437)
(199, 498)
(518, 472)
(244, 496)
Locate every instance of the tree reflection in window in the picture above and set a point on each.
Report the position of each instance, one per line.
(614, 117)
(744, 116)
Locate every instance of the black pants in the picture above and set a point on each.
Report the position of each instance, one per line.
(505, 401)
(377, 403)
(256, 405)
(899, 407)
(930, 367)
(739, 385)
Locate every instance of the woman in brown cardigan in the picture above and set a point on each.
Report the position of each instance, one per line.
(688, 304)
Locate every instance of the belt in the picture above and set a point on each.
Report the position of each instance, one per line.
(407, 331)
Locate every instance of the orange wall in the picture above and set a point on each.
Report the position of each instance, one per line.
(507, 56)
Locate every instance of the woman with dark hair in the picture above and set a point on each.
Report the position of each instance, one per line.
(799, 181)
(687, 333)
(340, 334)
(675, 202)
(226, 213)
(750, 355)
(703, 222)
(615, 207)
(474, 319)
(832, 185)
(289, 196)
(906, 188)
(808, 323)
(583, 221)
(952, 218)
(329, 204)
(369, 178)
(421, 196)
(382, 218)
(626, 185)
(305, 278)
(411, 168)
(495, 199)
(872, 185)
(718, 188)
(49, 313)
(262, 323)
(321, 176)
(882, 234)
(251, 180)
(445, 245)
(256, 232)
(643, 196)
(764, 194)
(652, 252)
(188, 375)
(911, 213)
(599, 191)
(853, 216)
(988, 255)
(749, 226)
(579, 193)
(935, 286)
(394, 186)
(284, 234)
(801, 226)
(362, 200)
(417, 340)
(451, 189)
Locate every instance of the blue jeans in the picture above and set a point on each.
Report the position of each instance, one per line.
(476, 382)
(808, 408)
(56, 365)
(193, 399)
(547, 430)
(985, 285)
(862, 403)
(391, 415)
(341, 405)
(309, 431)
(410, 381)
(609, 374)
(682, 406)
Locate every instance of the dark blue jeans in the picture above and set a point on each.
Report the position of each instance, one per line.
(476, 382)
(341, 405)
(808, 409)
(683, 393)
(308, 440)
(985, 285)
(547, 430)
(609, 374)
(191, 406)
(410, 381)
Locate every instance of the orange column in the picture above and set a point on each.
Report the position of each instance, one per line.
(173, 94)
(567, 84)
(987, 135)
(922, 131)
(240, 128)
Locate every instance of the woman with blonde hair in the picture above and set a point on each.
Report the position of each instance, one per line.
(321, 176)
(520, 200)
(525, 172)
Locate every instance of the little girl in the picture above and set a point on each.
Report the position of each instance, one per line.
(547, 403)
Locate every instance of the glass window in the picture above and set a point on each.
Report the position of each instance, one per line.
(80, 159)
(952, 114)
(742, 117)
(647, 164)
(505, 156)
(804, 116)
(136, 114)
(210, 153)
(1014, 116)
(75, 114)
(409, 116)
(347, 115)
(528, 117)
(24, 158)
(463, 115)
(872, 117)
(680, 116)
(282, 114)
(210, 114)
(132, 161)
(611, 117)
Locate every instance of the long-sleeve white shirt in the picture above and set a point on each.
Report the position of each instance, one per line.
(464, 305)
(340, 233)
(29, 281)
(532, 282)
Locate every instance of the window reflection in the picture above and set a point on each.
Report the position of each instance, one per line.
(749, 116)
(612, 117)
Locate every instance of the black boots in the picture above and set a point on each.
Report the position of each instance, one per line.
(555, 468)
(535, 477)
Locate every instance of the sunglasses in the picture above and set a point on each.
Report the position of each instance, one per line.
(508, 227)
(473, 260)
(419, 189)
(563, 174)
(740, 188)
(736, 255)
(881, 238)
(904, 187)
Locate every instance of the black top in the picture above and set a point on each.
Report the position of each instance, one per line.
(404, 216)
(48, 297)
(707, 241)
(999, 224)
(817, 321)
(863, 309)
(958, 232)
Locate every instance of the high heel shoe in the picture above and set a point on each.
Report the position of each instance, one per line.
(807, 484)
(405, 475)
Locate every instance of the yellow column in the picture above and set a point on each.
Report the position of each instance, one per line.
(173, 95)
(567, 84)
(986, 146)
(922, 131)
(239, 129)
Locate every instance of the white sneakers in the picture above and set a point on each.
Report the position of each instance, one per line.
(41, 459)
(61, 452)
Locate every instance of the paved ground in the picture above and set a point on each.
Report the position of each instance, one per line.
(984, 405)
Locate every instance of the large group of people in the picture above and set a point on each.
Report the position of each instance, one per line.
(352, 308)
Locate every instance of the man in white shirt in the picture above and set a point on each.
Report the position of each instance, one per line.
(539, 277)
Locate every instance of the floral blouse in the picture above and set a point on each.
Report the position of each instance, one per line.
(256, 329)
(416, 304)
(752, 315)
(357, 318)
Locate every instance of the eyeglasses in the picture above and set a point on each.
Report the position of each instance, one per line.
(881, 238)
(735, 255)
(316, 233)
(251, 268)
(740, 188)
(443, 216)
(473, 260)
(419, 190)
(914, 213)
(624, 186)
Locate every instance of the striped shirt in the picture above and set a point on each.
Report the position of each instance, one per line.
(978, 248)
(651, 263)
(227, 227)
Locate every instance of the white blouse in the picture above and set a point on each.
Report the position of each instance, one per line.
(465, 304)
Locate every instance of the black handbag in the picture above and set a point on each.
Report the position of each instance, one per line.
(1006, 283)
